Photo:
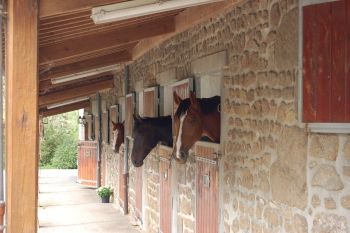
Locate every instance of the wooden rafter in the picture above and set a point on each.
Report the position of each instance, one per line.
(75, 92)
(85, 65)
(63, 109)
(89, 44)
(55, 33)
(50, 8)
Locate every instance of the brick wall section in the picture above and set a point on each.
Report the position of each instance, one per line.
(276, 177)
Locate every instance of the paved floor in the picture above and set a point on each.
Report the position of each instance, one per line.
(66, 207)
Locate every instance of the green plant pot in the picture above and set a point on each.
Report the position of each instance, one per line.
(105, 199)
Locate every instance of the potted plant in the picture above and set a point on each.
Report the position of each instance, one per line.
(105, 192)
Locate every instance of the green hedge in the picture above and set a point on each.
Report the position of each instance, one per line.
(58, 148)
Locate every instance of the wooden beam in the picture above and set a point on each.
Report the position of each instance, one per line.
(104, 40)
(64, 109)
(82, 66)
(76, 92)
(58, 7)
(22, 117)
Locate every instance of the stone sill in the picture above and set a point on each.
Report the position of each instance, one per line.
(336, 128)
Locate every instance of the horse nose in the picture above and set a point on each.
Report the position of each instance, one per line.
(182, 155)
(136, 163)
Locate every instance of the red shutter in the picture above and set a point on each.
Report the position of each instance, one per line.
(326, 92)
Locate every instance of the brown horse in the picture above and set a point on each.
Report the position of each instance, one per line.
(118, 133)
(195, 118)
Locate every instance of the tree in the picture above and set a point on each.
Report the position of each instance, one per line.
(58, 147)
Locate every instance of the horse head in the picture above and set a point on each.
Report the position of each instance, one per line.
(188, 126)
(147, 133)
(118, 133)
(193, 119)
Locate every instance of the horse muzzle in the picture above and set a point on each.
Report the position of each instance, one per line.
(137, 163)
(181, 157)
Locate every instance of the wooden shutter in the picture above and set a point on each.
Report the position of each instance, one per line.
(87, 160)
(326, 61)
(150, 102)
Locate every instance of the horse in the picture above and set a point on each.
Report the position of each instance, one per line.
(193, 119)
(147, 133)
(118, 133)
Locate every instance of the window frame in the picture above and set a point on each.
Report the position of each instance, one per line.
(326, 127)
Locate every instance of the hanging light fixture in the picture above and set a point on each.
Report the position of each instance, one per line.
(137, 8)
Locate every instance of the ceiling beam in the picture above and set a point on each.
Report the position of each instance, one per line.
(86, 65)
(49, 8)
(76, 92)
(63, 109)
(104, 40)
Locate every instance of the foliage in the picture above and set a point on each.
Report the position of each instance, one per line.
(58, 148)
(104, 191)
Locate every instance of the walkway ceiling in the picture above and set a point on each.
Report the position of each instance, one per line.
(70, 43)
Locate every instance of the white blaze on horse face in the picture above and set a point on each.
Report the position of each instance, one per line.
(115, 133)
(179, 142)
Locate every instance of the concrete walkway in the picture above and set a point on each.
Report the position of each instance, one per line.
(67, 207)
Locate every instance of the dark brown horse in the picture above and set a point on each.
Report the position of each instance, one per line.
(195, 118)
(147, 133)
(118, 133)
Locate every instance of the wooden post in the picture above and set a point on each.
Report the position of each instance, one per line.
(22, 117)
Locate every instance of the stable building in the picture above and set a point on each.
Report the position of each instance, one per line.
(280, 67)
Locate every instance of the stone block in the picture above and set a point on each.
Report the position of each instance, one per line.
(328, 178)
(286, 46)
(346, 150)
(288, 173)
(324, 146)
(275, 15)
(346, 170)
(315, 201)
(297, 225)
(329, 203)
(329, 223)
(345, 202)
(272, 217)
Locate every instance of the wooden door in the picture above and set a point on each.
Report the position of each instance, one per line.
(207, 189)
(87, 163)
(122, 182)
(165, 194)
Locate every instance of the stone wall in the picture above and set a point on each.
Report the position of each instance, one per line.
(276, 177)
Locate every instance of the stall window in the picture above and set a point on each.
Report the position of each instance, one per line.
(326, 62)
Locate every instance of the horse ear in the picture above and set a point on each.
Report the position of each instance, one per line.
(177, 98)
(114, 124)
(194, 101)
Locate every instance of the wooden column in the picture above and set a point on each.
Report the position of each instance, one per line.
(22, 116)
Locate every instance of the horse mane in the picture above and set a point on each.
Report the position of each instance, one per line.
(156, 120)
(208, 105)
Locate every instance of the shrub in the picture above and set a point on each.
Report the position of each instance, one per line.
(65, 156)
